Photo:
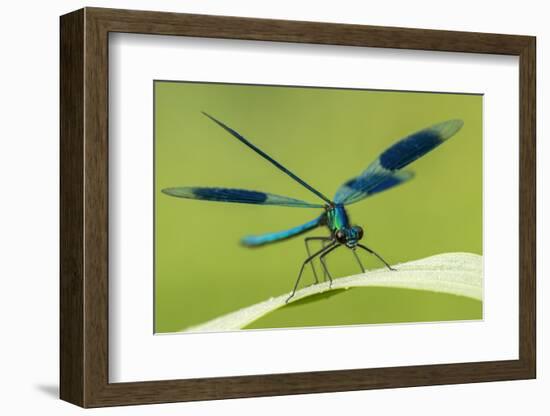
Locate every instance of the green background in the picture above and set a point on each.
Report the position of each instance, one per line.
(325, 136)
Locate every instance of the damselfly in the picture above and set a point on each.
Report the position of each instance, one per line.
(382, 174)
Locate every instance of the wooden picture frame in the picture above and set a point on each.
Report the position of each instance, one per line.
(84, 207)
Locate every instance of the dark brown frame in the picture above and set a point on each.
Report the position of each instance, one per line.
(84, 208)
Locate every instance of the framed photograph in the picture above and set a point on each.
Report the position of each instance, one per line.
(254, 207)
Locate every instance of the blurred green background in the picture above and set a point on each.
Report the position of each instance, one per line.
(325, 136)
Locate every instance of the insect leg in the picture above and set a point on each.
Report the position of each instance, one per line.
(377, 255)
(307, 240)
(325, 270)
(322, 259)
(304, 265)
(358, 260)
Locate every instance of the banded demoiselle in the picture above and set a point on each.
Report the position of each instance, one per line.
(380, 175)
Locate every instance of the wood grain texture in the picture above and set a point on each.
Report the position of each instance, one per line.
(71, 185)
(96, 218)
(527, 208)
(84, 207)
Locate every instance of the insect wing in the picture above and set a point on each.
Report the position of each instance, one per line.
(267, 157)
(397, 156)
(236, 195)
(359, 188)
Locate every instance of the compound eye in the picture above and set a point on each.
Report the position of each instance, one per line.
(340, 236)
(359, 231)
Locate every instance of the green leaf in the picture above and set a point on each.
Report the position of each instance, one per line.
(452, 273)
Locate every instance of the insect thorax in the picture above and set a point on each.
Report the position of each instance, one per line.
(337, 218)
